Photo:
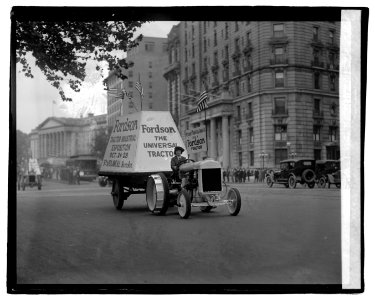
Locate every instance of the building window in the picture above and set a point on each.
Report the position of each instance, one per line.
(280, 132)
(149, 95)
(186, 55)
(237, 45)
(317, 80)
(279, 79)
(192, 32)
(204, 26)
(332, 133)
(331, 36)
(240, 159)
(317, 154)
(317, 105)
(130, 74)
(279, 55)
(237, 85)
(332, 82)
(150, 64)
(149, 74)
(251, 158)
(250, 108)
(315, 33)
(280, 154)
(150, 105)
(130, 84)
(149, 47)
(239, 113)
(187, 125)
(251, 135)
(278, 30)
(239, 135)
(249, 84)
(150, 85)
(316, 133)
(280, 106)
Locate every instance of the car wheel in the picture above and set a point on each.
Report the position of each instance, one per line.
(269, 181)
(292, 182)
(184, 204)
(157, 194)
(235, 206)
(118, 194)
(322, 182)
(308, 175)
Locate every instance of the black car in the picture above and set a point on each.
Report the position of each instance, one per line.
(327, 171)
(293, 171)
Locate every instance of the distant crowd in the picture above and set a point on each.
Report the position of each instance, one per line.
(69, 174)
(242, 175)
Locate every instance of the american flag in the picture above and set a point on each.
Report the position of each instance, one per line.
(139, 87)
(202, 103)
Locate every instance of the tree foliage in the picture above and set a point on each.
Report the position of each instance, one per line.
(100, 142)
(62, 49)
(23, 145)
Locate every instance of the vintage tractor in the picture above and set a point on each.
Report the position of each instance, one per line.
(200, 186)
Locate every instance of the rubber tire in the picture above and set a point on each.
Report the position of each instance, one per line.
(293, 183)
(150, 181)
(269, 181)
(118, 194)
(311, 185)
(237, 206)
(322, 182)
(184, 214)
(304, 176)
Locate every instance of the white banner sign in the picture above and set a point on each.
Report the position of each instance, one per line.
(196, 140)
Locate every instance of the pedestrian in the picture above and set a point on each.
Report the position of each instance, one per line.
(248, 174)
(256, 175)
(78, 176)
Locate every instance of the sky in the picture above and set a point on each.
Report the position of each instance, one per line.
(37, 99)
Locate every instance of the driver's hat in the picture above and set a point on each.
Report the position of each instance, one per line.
(178, 148)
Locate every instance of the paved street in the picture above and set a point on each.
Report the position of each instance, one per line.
(73, 234)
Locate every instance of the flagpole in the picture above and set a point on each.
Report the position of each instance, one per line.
(205, 124)
(140, 93)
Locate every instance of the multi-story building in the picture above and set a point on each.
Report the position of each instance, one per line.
(273, 88)
(56, 139)
(148, 60)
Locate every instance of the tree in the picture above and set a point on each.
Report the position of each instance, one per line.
(100, 143)
(62, 49)
(23, 146)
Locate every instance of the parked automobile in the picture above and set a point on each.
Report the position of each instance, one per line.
(293, 171)
(327, 172)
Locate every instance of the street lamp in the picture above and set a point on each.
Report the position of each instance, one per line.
(263, 155)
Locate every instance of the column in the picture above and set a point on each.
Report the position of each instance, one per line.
(64, 144)
(225, 130)
(213, 146)
(44, 145)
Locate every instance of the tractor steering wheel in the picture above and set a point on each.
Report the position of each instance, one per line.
(185, 161)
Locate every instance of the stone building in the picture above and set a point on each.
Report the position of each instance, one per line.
(56, 139)
(148, 61)
(273, 88)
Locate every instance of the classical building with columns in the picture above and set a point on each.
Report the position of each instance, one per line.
(273, 88)
(56, 139)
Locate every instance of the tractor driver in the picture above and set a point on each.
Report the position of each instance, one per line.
(177, 160)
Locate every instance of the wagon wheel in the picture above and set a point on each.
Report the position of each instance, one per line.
(157, 194)
(184, 204)
(269, 181)
(235, 205)
(118, 194)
